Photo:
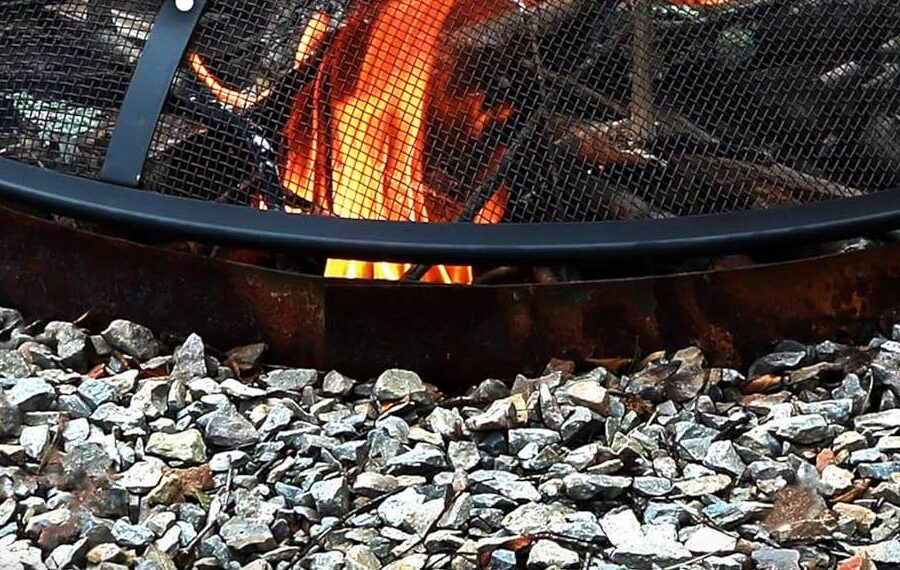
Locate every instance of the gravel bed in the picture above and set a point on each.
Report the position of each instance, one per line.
(118, 451)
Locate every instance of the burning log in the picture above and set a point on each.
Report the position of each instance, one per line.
(311, 40)
(503, 27)
(754, 185)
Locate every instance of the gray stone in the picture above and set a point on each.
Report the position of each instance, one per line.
(877, 421)
(888, 444)
(61, 557)
(834, 411)
(588, 393)
(74, 406)
(332, 497)
(72, 344)
(732, 562)
(533, 518)
(446, 422)
(279, 417)
(705, 539)
(50, 519)
(326, 560)
(425, 517)
(371, 484)
(142, 476)
(808, 428)
(105, 553)
(501, 414)
(131, 535)
(189, 359)
(151, 398)
(776, 559)
(397, 508)
(885, 552)
(226, 427)
(849, 441)
(504, 483)
(584, 486)
(10, 416)
(463, 454)
(186, 446)
(160, 522)
(443, 541)
(646, 551)
(245, 534)
(833, 480)
(130, 421)
(776, 362)
(546, 554)
(132, 339)
(694, 439)
(87, 459)
(708, 484)
(653, 486)
(96, 392)
(855, 390)
(29, 394)
(7, 510)
(489, 390)
(883, 471)
(458, 513)
(215, 548)
(722, 457)
(9, 318)
(360, 557)
(35, 440)
(223, 461)
(502, 559)
(620, 526)
(241, 391)
(396, 384)
(336, 384)
(519, 438)
(410, 562)
(14, 365)
(76, 430)
(422, 457)
(290, 379)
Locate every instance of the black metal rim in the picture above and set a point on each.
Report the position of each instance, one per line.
(245, 226)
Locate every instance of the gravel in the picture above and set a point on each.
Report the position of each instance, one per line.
(118, 451)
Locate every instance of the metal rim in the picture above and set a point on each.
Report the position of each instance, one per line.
(240, 225)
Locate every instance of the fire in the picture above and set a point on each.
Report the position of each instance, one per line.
(357, 135)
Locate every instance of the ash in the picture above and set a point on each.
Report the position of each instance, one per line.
(121, 450)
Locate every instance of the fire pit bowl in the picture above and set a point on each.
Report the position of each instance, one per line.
(454, 335)
(454, 130)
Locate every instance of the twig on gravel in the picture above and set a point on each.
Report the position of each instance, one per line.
(219, 503)
(374, 503)
(690, 562)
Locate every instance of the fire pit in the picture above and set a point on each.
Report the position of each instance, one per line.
(455, 131)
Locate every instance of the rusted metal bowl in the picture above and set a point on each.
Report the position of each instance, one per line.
(453, 335)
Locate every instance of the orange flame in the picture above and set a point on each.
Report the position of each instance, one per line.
(357, 134)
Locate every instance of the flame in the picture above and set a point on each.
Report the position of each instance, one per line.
(357, 135)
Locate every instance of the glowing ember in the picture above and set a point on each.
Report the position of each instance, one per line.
(357, 133)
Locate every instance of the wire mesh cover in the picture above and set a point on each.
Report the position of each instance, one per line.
(476, 110)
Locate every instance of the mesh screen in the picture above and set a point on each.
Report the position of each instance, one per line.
(477, 110)
(64, 69)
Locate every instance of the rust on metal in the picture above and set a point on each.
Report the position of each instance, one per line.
(452, 335)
